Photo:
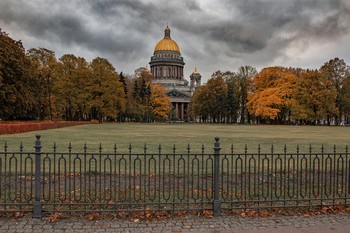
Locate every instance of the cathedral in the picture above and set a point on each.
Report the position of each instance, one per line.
(167, 68)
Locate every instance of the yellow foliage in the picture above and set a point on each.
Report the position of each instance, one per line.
(160, 102)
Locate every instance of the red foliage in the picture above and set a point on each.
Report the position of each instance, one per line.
(21, 127)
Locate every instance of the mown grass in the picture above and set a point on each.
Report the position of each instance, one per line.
(196, 135)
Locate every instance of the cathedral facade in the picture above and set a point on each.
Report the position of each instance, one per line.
(167, 68)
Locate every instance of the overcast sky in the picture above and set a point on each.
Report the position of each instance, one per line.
(212, 34)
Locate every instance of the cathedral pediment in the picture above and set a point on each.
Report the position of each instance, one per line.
(177, 94)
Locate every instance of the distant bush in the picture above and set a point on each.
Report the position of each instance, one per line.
(21, 127)
(94, 121)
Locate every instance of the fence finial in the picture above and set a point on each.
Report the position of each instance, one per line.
(115, 148)
(70, 147)
(21, 147)
(159, 148)
(130, 148)
(145, 148)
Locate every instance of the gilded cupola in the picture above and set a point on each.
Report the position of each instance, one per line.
(167, 44)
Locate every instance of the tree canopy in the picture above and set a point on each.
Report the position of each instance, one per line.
(37, 85)
(17, 85)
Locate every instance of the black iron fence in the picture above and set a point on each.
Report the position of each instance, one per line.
(84, 182)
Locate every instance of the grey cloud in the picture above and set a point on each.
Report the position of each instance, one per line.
(257, 32)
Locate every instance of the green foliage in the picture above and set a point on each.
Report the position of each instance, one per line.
(245, 75)
(224, 97)
(148, 101)
(198, 105)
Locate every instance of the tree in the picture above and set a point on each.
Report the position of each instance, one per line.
(345, 99)
(142, 94)
(122, 79)
(314, 98)
(160, 102)
(107, 92)
(198, 106)
(238, 84)
(245, 75)
(337, 71)
(271, 97)
(71, 87)
(232, 97)
(44, 64)
(17, 94)
(216, 97)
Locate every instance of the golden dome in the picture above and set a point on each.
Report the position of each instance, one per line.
(167, 44)
(195, 71)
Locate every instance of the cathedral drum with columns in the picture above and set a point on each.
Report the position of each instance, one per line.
(167, 66)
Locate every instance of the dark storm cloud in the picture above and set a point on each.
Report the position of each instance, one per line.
(69, 24)
(259, 22)
(211, 34)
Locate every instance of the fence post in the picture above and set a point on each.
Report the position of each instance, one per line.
(37, 212)
(217, 201)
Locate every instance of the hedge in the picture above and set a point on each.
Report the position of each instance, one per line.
(21, 127)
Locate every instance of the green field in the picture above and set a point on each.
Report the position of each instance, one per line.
(139, 134)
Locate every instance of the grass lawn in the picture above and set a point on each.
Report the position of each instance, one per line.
(139, 134)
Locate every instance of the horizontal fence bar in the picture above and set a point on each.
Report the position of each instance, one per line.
(83, 181)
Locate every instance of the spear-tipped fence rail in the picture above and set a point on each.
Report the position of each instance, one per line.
(69, 181)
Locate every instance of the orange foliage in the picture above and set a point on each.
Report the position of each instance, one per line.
(273, 90)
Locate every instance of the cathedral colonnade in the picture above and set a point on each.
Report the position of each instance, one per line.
(180, 111)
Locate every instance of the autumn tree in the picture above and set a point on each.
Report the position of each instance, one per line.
(44, 65)
(314, 98)
(232, 100)
(337, 71)
(238, 84)
(160, 102)
(216, 97)
(141, 94)
(71, 88)
(272, 94)
(198, 106)
(209, 102)
(107, 92)
(125, 81)
(245, 74)
(17, 93)
(222, 97)
(345, 99)
(232, 96)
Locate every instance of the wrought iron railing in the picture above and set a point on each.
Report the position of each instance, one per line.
(83, 181)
